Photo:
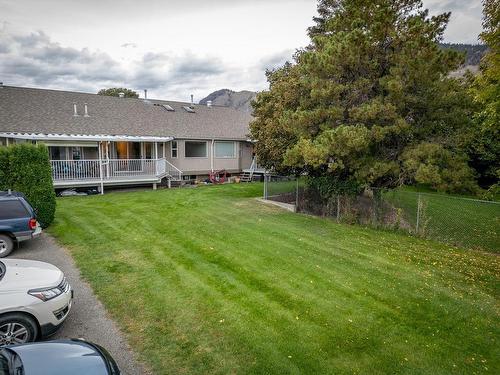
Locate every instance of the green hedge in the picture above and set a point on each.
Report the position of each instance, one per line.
(26, 168)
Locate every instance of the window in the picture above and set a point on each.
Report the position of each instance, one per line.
(173, 146)
(76, 153)
(57, 153)
(12, 209)
(128, 150)
(188, 109)
(148, 150)
(224, 149)
(195, 149)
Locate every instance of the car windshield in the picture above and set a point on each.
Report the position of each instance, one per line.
(10, 363)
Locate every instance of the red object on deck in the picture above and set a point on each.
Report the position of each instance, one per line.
(218, 177)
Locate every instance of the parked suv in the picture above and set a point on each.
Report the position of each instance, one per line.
(35, 299)
(17, 221)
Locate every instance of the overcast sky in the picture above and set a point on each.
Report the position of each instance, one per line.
(172, 48)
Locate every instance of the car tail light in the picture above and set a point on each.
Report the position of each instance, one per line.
(32, 224)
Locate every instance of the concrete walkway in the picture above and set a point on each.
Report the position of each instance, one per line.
(88, 318)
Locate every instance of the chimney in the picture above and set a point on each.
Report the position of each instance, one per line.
(86, 114)
(192, 99)
(121, 94)
(1, 85)
(209, 103)
(75, 112)
(145, 93)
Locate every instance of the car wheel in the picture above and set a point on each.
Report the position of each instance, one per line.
(17, 329)
(6, 245)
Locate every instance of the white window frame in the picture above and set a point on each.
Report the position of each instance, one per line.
(196, 157)
(233, 156)
(172, 148)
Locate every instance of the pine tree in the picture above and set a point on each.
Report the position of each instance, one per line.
(372, 83)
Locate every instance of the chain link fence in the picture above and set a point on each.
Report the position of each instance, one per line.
(458, 221)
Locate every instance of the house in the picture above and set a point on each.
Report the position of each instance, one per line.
(101, 141)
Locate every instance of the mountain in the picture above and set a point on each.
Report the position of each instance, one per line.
(473, 52)
(229, 98)
(241, 99)
(473, 55)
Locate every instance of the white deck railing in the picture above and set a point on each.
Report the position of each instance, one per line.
(174, 172)
(113, 169)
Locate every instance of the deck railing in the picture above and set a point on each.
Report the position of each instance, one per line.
(174, 172)
(112, 169)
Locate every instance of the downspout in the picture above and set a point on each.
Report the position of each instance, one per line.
(212, 156)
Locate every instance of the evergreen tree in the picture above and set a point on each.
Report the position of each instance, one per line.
(372, 84)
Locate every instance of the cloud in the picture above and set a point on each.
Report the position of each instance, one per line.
(34, 59)
(129, 45)
(465, 21)
(276, 60)
(162, 70)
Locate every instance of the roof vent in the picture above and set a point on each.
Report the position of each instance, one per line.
(75, 111)
(188, 109)
(1, 85)
(209, 103)
(86, 113)
(145, 93)
(192, 99)
(121, 94)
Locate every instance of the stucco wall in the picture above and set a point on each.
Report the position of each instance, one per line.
(242, 159)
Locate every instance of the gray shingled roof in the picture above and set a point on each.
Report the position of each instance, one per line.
(28, 110)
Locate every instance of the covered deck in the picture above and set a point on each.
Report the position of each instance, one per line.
(104, 160)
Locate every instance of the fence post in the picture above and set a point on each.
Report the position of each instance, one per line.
(419, 203)
(297, 195)
(338, 208)
(265, 185)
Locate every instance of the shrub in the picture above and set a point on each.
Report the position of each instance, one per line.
(26, 168)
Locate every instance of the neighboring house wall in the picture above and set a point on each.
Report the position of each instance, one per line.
(240, 158)
(246, 155)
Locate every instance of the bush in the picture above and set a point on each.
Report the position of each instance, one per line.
(26, 168)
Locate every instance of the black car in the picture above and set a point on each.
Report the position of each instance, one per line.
(58, 357)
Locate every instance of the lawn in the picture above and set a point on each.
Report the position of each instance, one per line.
(208, 280)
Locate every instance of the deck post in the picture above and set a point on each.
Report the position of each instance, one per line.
(107, 159)
(154, 186)
(169, 183)
(100, 168)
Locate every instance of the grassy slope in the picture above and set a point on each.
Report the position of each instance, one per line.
(208, 281)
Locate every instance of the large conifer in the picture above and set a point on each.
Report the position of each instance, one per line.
(362, 98)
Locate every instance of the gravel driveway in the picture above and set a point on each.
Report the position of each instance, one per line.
(88, 318)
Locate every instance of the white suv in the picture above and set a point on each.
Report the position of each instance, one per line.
(35, 298)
